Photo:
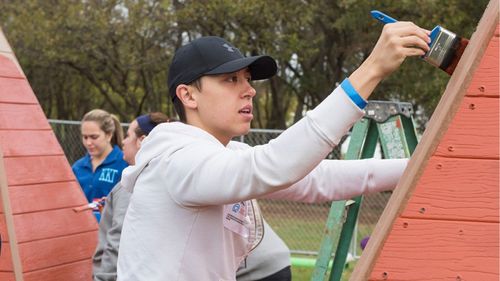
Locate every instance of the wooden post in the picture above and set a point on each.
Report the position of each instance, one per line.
(438, 126)
(9, 221)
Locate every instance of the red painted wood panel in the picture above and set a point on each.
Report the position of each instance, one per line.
(439, 250)
(5, 257)
(34, 226)
(450, 190)
(474, 132)
(22, 116)
(56, 251)
(485, 81)
(8, 68)
(42, 254)
(37, 169)
(50, 196)
(7, 276)
(29, 143)
(77, 271)
(55, 243)
(16, 91)
(51, 223)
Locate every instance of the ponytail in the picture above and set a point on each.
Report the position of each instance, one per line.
(117, 138)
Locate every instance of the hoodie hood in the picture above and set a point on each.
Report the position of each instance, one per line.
(165, 139)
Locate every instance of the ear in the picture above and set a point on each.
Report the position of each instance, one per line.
(140, 139)
(185, 95)
(109, 137)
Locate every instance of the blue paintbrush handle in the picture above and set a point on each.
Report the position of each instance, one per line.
(378, 15)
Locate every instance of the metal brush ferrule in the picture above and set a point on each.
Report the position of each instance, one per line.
(442, 44)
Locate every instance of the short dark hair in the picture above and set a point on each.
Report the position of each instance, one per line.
(179, 107)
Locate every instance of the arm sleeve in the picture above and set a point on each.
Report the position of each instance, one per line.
(217, 175)
(109, 257)
(343, 179)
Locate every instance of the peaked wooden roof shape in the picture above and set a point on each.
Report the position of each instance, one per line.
(43, 238)
(442, 221)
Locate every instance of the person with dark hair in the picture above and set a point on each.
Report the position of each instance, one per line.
(192, 215)
(101, 167)
(116, 203)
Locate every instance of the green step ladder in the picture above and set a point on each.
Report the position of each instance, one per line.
(390, 124)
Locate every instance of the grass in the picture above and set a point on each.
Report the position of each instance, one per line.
(302, 228)
(305, 274)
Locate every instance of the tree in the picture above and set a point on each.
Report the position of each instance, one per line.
(80, 55)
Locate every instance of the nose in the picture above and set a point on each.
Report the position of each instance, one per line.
(87, 141)
(250, 91)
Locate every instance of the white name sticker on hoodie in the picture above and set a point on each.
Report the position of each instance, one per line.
(236, 218)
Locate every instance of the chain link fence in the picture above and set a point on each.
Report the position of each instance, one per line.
(300, 225)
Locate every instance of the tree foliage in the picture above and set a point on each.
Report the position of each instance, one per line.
(80, 55)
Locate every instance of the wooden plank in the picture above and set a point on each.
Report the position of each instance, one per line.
(50, 196)
(4, 45)
(53, 223)
(46, 253)
(16, 91)
(37, 169)
(450, 190)
(22, 116)
(6, 50)
(79, 222)
(14, 256)
(443, 250)
(7, 276)
(6, 258)
(443, 114)
(486, 82)
(29, 143)
(77, 271)
(8, 68)
(474, 132)
(56, 251)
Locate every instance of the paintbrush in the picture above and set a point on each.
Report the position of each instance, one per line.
(446, 48)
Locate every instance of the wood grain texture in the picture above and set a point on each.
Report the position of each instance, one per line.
(6, 258)
(56, 251)
(22, 117)
(7, 276)
(450, 190)
(8, 217)
(16, 91)
(474, 132)
(485, 82)
(29, 143)
(444, 250)
(33, 226)
(49, 196)
(445, 111)
(4, 45)
(6, 51)
(47, 240)
(37, 169)
(42, 254)
(8, 67)
(76, 271)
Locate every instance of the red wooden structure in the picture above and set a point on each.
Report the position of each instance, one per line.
(442, 221)
(43, 238)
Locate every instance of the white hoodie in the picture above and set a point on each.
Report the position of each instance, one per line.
(188, 219)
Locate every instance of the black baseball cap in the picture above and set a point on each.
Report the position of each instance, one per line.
(213, 55)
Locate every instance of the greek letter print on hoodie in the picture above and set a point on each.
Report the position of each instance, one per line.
(98, 183)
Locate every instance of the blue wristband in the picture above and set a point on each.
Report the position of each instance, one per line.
(353, 94)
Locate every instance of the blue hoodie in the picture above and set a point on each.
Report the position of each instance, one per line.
(99, 183)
